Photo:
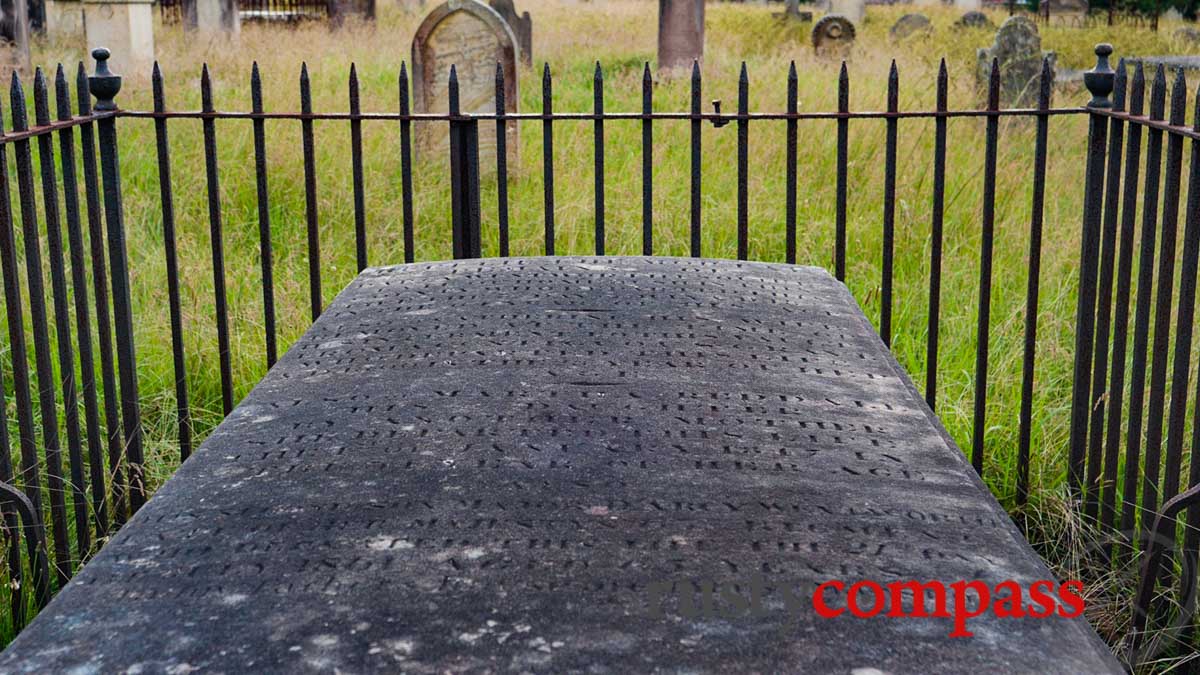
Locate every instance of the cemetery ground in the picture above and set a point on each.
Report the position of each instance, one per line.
(620, 34)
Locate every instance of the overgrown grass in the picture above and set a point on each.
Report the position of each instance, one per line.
(620, 34)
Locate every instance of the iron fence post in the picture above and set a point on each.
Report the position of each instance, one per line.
(464, 178)
(104, 86)
(1100, 82)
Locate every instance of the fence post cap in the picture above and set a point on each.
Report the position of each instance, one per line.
(1100, 80)
(104, 84)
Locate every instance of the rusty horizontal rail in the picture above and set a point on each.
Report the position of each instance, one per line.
(566, 116)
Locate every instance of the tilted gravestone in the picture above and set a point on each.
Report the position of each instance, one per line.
(472, 37)
(910, 25)
(680, 33)
(603, 465)
(212, 16)
(521, 25)
(1018, 49)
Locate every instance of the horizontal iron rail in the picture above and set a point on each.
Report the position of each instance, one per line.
(709, 117)
(1178, 129)
(57, 125)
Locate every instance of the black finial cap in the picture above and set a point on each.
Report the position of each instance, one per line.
(104, 84)
(1100, 80)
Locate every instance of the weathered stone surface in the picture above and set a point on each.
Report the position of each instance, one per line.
(482, 466)
(1018, 49)
(212, 16)
(680, 33)
(521, 25)
(909, 25)
(472, 37)
(126, 27)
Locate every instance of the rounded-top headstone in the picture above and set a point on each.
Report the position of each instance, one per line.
(472, 37)
(910, 25)
(833, 35)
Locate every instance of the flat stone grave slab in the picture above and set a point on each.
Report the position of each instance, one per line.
(544, 465)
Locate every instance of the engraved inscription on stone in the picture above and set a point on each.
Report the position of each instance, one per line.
(473, 38)
(490, 464)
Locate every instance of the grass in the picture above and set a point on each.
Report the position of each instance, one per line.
(621, 35)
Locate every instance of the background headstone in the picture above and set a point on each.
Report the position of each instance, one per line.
(472, 37)
(969, 5)
(126, 28)
(854, 10)
(1071, 12)
(974, 20)
(910, 25)
(833, 36)
(680, 33)
(1018, 48)
(212, 16)
(14, 38)
(340, 10)
(64, 18)
(522, 27)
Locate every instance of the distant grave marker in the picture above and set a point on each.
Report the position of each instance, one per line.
(472, 37)
(126, 28)
(521, 25)
(909, 25)
(833, 36)
(1018, 48)
(680, 33)
(1071, 12)
(974, 20)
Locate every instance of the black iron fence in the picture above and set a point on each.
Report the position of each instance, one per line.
(1128, 421)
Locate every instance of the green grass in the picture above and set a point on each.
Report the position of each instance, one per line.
(621, 35)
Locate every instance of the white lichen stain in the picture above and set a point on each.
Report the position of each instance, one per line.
(387, 543)
(181, 669)
(474, 553)
(231, 599)
(324, 641)
(867, 671)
